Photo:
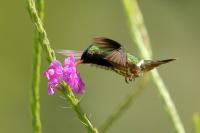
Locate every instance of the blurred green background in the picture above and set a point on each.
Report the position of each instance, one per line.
(174, 30)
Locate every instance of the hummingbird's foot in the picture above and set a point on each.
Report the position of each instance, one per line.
(129, 78)
(126, 80)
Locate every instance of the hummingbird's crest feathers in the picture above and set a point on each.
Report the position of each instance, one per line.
(148, 65)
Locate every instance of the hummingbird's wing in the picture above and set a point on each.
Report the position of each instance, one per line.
(77, 54)
(115, 53)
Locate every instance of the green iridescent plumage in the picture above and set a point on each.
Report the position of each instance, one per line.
(93, 49)
(132, 59)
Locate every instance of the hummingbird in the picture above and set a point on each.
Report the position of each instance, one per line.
(111, 55)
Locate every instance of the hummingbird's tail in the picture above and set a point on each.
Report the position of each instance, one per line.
(147, 65)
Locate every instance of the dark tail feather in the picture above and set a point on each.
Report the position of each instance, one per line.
(77, 54)
(151, 64)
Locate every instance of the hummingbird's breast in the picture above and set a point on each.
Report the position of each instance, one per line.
(130, 70)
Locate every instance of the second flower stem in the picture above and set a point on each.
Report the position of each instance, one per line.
(35, 95)
(136, 23)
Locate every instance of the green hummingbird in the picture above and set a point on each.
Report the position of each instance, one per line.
(109, 54)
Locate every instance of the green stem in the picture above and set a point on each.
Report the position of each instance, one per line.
(35, 104)
(50, 57)
(35, 97)
(129, 99)
(41, 31)
(76, 107)
(138, 29)
(136, 23)
(196, 123)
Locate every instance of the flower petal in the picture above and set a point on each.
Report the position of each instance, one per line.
(81, 86)
(71, 76)
(54, 74)
(70, 61)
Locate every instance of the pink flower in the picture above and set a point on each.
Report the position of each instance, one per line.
(56, 73)
(71, 77)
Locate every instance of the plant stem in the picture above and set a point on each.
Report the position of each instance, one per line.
(76, 107)
(50, 57)
(136, 23)
(35, 100)
(35, 97)
(129, 99)
(41, 31)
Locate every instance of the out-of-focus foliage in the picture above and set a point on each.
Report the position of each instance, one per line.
(196, 123)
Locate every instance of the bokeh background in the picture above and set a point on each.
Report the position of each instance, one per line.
(174, 30)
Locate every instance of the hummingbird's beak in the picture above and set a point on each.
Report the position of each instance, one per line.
(78, 62)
